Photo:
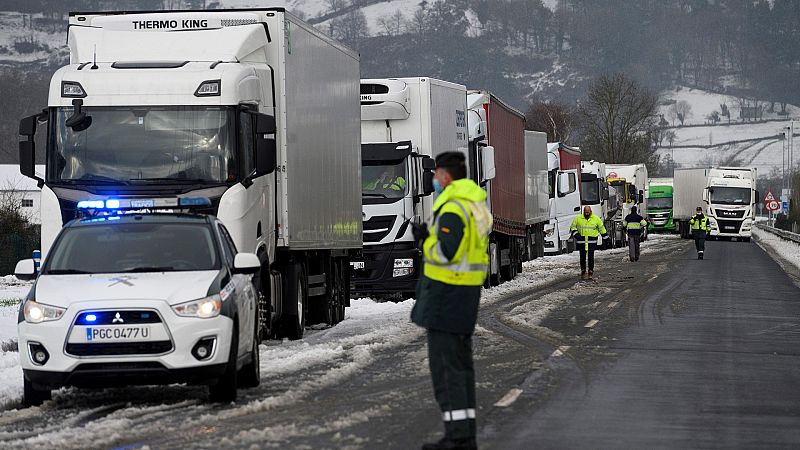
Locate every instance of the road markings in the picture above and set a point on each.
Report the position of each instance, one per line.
(591, 323)
(612, 304)
(652, 278)
(510, 397)
(560, 351)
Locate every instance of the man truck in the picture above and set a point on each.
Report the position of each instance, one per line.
(564, 180)
(253, 109)
(496, 127)
(596, 193)
(630, 181)
(405, 123)
(659, 205)
(727, 195)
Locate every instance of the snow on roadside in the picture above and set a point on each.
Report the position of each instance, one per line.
(789, 251)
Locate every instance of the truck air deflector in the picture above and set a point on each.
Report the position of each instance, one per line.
(390, 151)
(148, 64)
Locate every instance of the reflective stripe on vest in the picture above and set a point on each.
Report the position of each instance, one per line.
(701, 224)
(469, 264)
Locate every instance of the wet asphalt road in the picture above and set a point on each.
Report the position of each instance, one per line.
(708, 357)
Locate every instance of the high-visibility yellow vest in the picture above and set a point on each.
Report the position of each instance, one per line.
(634, 225)
(699, 224)
(588, 229)
(468, 266)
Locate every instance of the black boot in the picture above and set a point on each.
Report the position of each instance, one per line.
(446, 443)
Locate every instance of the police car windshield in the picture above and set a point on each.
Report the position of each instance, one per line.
(126, 145)
(133, 247)
(730, 195)
(384, 180)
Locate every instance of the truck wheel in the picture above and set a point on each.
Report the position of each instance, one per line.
(224, 389)
(294, 320)
(250, 374)
(32, 396)
(334, 305)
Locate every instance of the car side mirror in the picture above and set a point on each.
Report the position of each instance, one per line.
(266, 155)
(25, 270)
(246, 263)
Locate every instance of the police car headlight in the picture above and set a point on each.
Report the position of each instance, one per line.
(37, 312)
(203, 308)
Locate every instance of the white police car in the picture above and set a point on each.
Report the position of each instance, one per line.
(150, 298)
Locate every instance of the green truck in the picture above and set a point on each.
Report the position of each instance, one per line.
(659, 205)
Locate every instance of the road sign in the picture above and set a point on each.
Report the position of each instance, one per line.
(769, 197)
(786, 206)
(772, 205)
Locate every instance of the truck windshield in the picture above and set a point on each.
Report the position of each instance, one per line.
(142, 144)
(659, 203)
(730, 195)
(384, 180)
(135, 247)
(590, 192)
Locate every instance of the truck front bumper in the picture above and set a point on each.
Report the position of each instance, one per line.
(385, 270)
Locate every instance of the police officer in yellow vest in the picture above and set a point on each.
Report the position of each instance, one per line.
(455, 253)
(585, 230)
(634, 223)
(699, 224)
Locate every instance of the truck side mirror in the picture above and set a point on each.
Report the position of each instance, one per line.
(265, 124)
(641, 197)
(427, 183)
(27, 126)
(266, 155)
(27, 148)
(428, 163)
(487, 160)
(705, 195)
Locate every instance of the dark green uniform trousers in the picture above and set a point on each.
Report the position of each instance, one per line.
(450, 357)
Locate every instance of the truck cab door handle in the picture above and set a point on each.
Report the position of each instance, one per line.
(576, 209)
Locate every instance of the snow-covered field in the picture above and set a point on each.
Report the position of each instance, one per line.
(765, 154)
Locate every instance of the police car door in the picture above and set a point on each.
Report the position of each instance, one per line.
(243, 294)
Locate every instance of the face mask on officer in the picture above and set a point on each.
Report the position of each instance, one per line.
(699, 212)
(441, 179)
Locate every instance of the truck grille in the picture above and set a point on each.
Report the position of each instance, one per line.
(729, 226)
(377, 228)
(119, 348)
(729, 214)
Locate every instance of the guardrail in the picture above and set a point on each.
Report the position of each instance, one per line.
(788, 235)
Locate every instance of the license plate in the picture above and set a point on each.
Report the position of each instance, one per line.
(118, 333)
(357, 265)
(142, 203)
(729, 228)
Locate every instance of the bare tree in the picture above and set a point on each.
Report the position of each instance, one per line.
(335, 5)
(351, 28)
(393, 24)
(682, 110)
(557, 119)
(618, 117)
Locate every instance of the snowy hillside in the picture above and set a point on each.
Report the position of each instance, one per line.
(739, 143)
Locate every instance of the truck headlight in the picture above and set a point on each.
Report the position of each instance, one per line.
(401, 263)
(203, 308)
(402, 272)
(549, 231)
(37, 312)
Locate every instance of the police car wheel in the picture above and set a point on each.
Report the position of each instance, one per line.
(224, 390)
(32, 396)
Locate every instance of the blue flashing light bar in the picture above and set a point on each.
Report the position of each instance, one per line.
(194, 201)
(114, 204)
(91, 318)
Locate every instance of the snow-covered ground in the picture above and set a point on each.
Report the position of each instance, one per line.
(788, 251)
(703, 103)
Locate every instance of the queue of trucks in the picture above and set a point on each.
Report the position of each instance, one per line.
(255, 117)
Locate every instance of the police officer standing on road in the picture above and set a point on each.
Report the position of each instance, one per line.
(456, 258)
(699, 223)
(585, 229)
(633, 224)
